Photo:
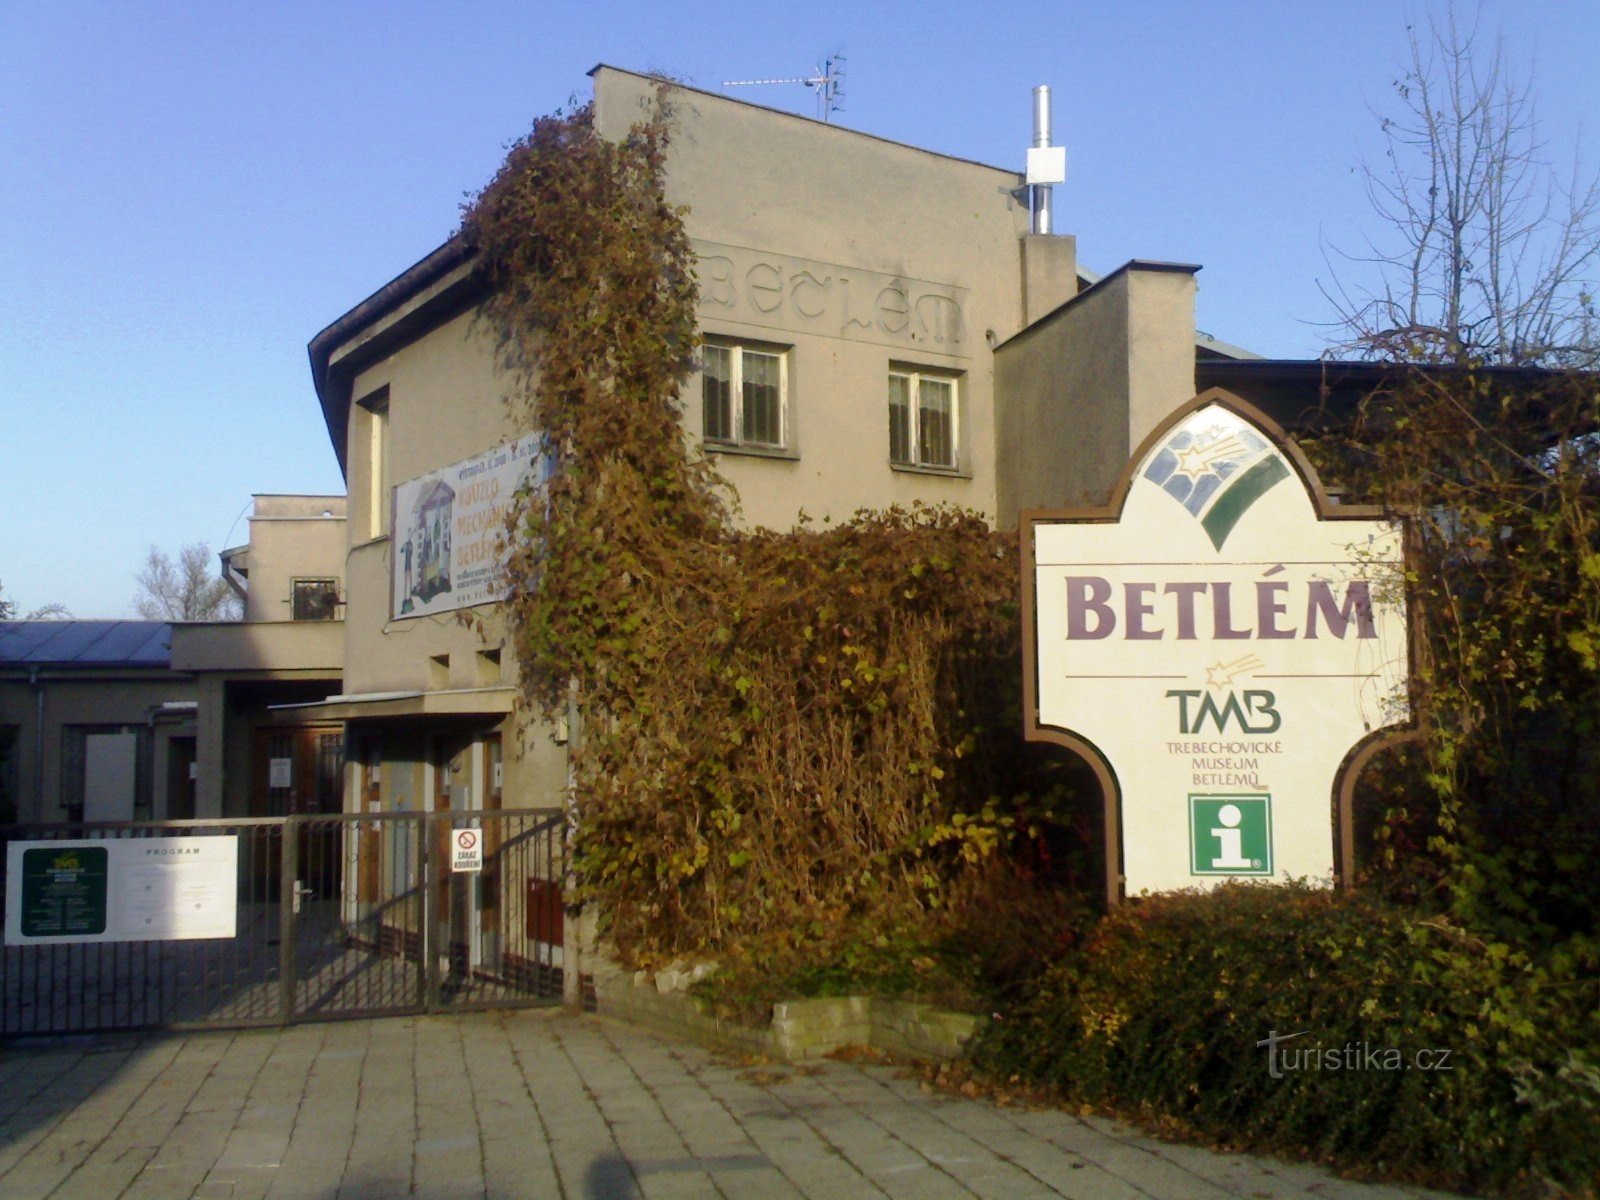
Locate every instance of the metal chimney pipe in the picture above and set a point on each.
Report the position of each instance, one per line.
(1041, 139)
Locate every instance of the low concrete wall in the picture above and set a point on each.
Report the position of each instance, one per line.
(921, 1030)
(800, 1029)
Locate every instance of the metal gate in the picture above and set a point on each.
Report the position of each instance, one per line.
(338, 915)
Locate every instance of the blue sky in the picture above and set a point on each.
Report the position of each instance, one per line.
(189, 192)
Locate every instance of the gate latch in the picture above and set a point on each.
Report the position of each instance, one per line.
(301, 890)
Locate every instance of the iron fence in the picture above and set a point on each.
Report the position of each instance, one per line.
(337, 915)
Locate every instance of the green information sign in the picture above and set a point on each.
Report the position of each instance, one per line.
(1230, 835)
(64, 891)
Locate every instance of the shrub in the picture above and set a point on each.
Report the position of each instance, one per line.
(1499, 476)
(1164, 1009)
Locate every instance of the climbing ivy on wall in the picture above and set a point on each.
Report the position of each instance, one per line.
(1500, 477)
(783, 734)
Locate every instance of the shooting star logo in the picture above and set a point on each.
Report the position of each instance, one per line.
(1222, 674)
(1217, 467)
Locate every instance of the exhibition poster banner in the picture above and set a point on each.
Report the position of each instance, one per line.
(1222, 637)
(450, 529)
(122, 890)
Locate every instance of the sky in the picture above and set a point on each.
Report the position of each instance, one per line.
(190, 191)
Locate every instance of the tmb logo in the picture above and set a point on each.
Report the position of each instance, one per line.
(1256, 713)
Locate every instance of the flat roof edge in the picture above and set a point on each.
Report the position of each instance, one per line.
(415, 279)
(1148, 265)
(778, 112)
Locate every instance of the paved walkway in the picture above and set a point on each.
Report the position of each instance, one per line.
(545, 1104)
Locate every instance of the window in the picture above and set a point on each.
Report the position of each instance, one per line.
(923, 420)
(376, 408)
(9, 800)
(314, 600)
(371, 782)
(743, 390)
(103, 772)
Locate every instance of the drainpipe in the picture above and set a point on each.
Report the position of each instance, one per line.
(236, 579)
(38, 743)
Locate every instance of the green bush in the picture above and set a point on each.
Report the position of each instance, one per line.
(980, 948)
(1498, 475)
(1162, 1012)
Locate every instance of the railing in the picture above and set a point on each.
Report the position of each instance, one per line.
(336, 915)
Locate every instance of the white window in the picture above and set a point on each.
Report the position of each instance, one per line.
(103, 772)
(923, 420)
(744, 395)
(376, 408)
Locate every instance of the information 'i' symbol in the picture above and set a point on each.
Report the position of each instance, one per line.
(1230, 847)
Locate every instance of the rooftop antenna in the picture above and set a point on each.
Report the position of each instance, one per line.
(829, 82)
(1047, 164)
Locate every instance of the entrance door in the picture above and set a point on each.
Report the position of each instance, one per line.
(300, 770)
(297, 770)
(180, 779)
(455, 790)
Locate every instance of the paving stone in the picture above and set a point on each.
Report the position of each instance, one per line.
(508, 1105)
(163, 1180)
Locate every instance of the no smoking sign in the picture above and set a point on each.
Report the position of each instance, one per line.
(466, 852)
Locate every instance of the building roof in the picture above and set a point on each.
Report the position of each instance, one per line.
(1094, 282)
(86, 643)
(445, 283)
(1322, 393)
(678, 85)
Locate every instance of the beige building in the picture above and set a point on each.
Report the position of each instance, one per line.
(94, 723)
(146, 720)
(880, 327)
(288, 649)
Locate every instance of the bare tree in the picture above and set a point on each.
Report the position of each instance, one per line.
(1487, 253)
(46, 612)
(184, 590)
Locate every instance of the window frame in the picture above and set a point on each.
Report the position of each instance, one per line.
(914, 374)
(304, 583)
(739, 442)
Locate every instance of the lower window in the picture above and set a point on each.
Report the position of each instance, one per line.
(9, 805)
(743, 393)
(923, 420)
(103, 772)
(314, 600)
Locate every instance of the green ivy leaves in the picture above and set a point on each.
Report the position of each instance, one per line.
(781, 731)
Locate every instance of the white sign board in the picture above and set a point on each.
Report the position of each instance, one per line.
(110, 776)
(466, 850)
(1223, 647)
(450, 529)
(121, 890)
(280, 772)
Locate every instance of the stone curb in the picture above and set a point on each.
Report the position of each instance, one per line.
(800, 1030)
